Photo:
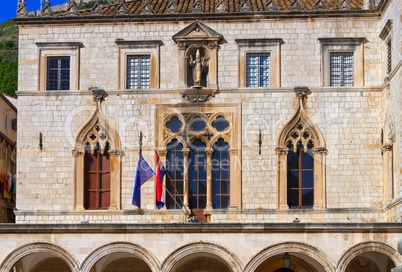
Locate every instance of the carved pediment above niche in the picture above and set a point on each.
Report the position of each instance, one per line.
(198, 65)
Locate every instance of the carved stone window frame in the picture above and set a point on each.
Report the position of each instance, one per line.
(386, 35)
(232, 135)
(129, 48)
(354, 45)
(59, 49)
(271, 46)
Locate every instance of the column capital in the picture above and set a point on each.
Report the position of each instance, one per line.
(233, 152)
(116, 153)
(281, 151)
(76, 153)
(386, 147)
(320, 150)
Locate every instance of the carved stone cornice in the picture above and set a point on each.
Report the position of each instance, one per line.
(22, 9)
(271, 5)
(47, 11)
(320, 5)
(172, 7)
(147, 8)
(72, 9)
(281, 151)
(122, 8)
(97, 9)
(245, 6)
(198, 7)
(345, 5)
(76, 153)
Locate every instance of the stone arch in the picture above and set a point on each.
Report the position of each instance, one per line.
(318, 259)
(16, 255)
(98, 132)
(205, 248)
(364, 247)
(302, 129)
(120, 247)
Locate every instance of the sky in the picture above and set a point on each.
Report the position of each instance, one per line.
(9, 7)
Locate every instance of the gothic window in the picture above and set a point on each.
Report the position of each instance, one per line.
(300, 175)
(138, 72)
(258, 70)
(58, 73)
(198, 159)
(98, 162)
(341, 69)
(174, 177)
(301, 156)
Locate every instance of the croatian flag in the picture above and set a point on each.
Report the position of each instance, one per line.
(160, 173)
(144, 173)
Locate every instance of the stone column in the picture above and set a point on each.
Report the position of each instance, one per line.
(79, 179)
(186, 153)
(319, 177)
(235, 185)
(282, 178)
(388, 179)
(209, 153)
(115, 174)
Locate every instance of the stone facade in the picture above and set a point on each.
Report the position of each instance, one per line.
(353, 224)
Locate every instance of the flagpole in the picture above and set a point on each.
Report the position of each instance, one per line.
(140, 143)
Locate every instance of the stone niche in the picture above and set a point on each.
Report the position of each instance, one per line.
(198, 69)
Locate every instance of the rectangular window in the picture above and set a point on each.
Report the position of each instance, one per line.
(258, 70)
(58, 73)
(341, 69)
(389, 57)
(138, 72)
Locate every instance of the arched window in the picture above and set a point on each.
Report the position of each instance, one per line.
(199, 161)
(300, 176)
(220, 175)
(301, 163)
(97, 163)
(174, 177)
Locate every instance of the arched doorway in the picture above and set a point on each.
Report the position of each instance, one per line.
(370, 262)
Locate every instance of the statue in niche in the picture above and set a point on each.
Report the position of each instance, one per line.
(198, 68)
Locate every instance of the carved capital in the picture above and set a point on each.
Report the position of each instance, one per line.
(320, 150)
(281, 151)
(116, 153)
(186, 152)
(209, 152)
(233, 152)
(386, 148)
(162, 153)
(76, 153)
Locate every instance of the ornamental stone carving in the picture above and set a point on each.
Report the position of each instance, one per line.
(22, 9)
(345, 5)
(97, 9)
(271, 5)
(72, 9)
(122, 8)
(295, 6)
(198, 7)
(47, 11)
(320, 5)
(245, 6)
(147, 8)
(221, 7)
(172, 7)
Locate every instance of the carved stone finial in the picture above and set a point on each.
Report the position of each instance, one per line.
(22, 9)
(72, 9)
(47, 11)
(295, 5)
(245, 6)
(320, 5)
(198, 7)
(97, 9)
(147, 8)
(221, 7)
(345, 5)
(172, 7)
(271, 5)
(302, 92)
(122, 8)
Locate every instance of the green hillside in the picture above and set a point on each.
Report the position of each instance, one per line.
(8, 58)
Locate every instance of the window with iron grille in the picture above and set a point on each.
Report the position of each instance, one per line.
(138, 72)
(389, 57)
(341, 69)
(58, 73)
(258, 70)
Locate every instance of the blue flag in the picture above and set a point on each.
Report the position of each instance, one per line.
(144, 173)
